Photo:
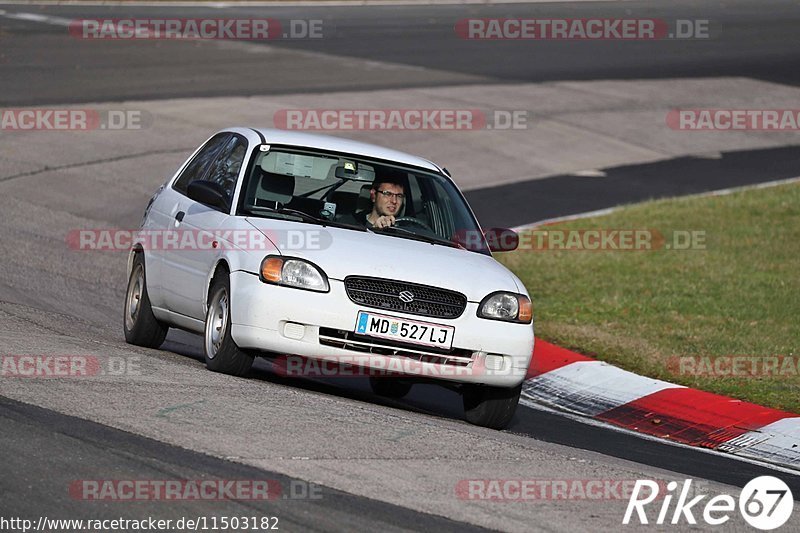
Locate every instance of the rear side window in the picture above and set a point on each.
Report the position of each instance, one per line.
(198, 167)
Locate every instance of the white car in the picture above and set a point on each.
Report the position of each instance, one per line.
(263, 242)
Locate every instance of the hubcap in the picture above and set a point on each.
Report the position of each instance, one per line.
(216, 322)
(134, 299)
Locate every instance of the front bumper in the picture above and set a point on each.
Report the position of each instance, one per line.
(290, 321)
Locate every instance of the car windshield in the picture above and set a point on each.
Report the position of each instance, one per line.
(341, 191)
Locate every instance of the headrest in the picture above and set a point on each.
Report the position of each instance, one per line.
(275, 187)
(364, 203)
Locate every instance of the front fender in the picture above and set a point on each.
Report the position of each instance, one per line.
(236, 261)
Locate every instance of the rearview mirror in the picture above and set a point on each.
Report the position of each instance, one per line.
(351, 171)
(208, 193)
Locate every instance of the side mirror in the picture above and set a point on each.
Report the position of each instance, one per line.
(501, 239)
(208, 193)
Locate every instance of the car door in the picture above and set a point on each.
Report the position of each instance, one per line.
(160, 218)
(186, 265)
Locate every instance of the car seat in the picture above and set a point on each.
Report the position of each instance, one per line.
(274, 190)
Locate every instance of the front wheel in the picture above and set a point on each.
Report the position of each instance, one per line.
(491, 407)
(221, 353)
(140, 325)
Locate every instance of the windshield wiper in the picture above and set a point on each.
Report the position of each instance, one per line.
(305, 216)
(403, 232)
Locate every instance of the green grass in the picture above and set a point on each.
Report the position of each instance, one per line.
(637, 309)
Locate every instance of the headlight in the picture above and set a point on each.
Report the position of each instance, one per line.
(506, 306)
(293, 272)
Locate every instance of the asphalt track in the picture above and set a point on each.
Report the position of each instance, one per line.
(522, 203)
(42, 65)
(52, 446)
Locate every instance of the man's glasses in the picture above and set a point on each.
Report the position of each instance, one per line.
(388, 194)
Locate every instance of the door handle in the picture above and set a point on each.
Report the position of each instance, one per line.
(179, 216)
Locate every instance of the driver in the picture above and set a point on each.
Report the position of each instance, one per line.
(387, 200)
(387, 196)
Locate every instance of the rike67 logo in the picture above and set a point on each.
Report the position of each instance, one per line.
(765, 503)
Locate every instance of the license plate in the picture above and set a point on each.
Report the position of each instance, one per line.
(400, 329)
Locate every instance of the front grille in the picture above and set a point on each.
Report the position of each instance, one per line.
(385, 294)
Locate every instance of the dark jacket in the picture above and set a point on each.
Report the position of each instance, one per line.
(358, 218)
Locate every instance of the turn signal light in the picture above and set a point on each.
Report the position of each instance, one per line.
(271, 269)
(525, 310)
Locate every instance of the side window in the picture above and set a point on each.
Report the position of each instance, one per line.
(198, 167)
(226, 167)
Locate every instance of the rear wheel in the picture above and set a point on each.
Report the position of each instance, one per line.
(389, 387)
(140, 325)
(222, 354)
(491, 407)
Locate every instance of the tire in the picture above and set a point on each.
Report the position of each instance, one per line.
(389, 387)
(221, 353)
(491, 407)
(140, 325)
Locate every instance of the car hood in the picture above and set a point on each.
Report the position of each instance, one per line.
(342, 252)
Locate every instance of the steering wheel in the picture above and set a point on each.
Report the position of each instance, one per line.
(413, 220)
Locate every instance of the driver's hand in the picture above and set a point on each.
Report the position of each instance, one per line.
(384, 221)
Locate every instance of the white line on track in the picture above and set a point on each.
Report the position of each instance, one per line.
(35, 17)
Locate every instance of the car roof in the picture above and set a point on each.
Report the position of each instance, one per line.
(347, 146)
